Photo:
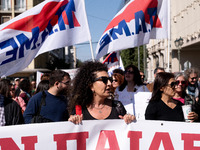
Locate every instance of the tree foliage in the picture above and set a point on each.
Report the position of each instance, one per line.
(130, 56)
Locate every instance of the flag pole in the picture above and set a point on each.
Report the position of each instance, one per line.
(138, 57)
(91, 49)
(169, 36)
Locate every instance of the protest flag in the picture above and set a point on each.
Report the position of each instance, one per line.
(134, 25)
(113, 61)
(50, 25)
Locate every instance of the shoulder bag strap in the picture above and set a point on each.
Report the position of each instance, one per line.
(43, 102)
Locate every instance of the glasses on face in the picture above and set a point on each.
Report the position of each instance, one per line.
(104, 79)
(115, 80)
(129, 72)
(194, 78)
(142, 76)
(66, 83)
(173, 84)
(180, 82)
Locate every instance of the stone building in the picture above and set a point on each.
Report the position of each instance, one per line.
(185, 32)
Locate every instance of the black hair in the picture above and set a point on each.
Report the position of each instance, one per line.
(42, 86)
(5, 87)
(57, 75)
(137, 78)
(161, 80)
(81, 94)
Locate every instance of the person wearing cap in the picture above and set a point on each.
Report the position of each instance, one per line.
(16, 82)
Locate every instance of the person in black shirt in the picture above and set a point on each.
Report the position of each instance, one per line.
(162, 106)
(90, 92)
(10, 111)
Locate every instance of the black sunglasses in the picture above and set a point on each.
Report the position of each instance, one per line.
(115, 80)
(194, 78)
(182, 82)
(173, 84)
(104, 79)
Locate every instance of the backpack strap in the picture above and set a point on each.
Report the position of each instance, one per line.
(78, 109)
(43, 102)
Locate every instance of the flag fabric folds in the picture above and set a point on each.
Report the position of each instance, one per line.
(134, 25)
(113, 61)
(50, 25)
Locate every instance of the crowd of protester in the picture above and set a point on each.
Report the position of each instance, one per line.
(93, 95)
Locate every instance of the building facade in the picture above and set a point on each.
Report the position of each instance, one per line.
(184, 29)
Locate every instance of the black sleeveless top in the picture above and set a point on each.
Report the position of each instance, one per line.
(117, 109)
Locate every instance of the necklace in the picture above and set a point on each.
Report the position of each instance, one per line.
(100, 109)
(130, 95)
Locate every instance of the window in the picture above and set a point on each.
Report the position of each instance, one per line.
(5, 5)
(20, 4)
(5, 19)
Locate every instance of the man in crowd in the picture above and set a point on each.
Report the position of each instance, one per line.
(55, 108)
(16, 82)
(142, 77)
(192, 88)
(156, 71)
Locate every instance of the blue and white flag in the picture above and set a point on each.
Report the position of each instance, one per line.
(50, 25)
(113, 61)
(134, 25)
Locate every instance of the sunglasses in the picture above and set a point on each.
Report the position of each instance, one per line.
(182, 82)
(194, 78)
(173, 84)
(115, 80)
(104, 79)
(129, 72)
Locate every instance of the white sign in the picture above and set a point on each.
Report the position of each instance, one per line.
(102, 134)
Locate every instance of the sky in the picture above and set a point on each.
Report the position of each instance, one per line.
(99, 14)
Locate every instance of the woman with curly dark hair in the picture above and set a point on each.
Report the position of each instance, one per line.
(90, 92)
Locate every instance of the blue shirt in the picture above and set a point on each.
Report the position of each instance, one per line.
(55, 108)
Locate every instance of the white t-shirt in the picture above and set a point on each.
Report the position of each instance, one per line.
(128, 98)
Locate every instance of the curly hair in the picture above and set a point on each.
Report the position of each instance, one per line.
(161, 80)
(191, 70)
(81, 94)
